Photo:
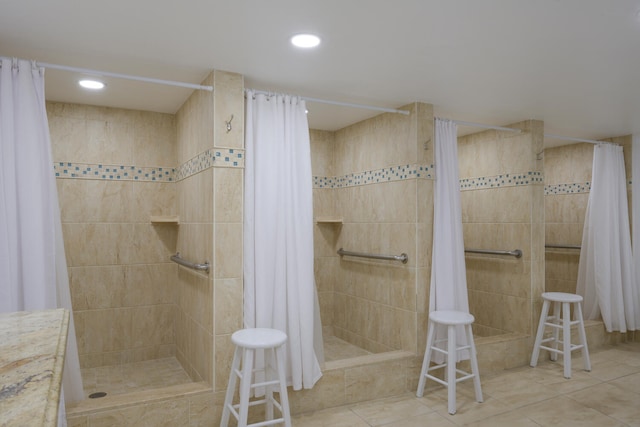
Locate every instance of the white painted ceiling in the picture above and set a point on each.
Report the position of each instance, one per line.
(575, 64)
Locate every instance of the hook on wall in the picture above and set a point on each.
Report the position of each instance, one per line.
(228, 123)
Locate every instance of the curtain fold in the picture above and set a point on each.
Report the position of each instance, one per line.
(33, 267)
(448, 290)
(279, 283)
(606, 273)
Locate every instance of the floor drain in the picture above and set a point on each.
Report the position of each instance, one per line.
(97, 395)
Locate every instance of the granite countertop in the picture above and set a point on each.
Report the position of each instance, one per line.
(32, 348)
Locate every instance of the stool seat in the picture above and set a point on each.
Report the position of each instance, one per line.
(448, 317)
(561, 321)
(562, 297)
(250, 344)
(452, 320)
(259, 338)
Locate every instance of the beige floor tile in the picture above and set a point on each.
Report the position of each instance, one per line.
(385, 411)
(338, 349)
(132, 377)
(517, 389)
(630, 382)
(562, 411)
(510, 419)
(336, 417)
(431, 419)
(467, 408)
(611, 400)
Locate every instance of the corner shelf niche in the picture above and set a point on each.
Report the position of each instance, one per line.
(329, 220)
(165, 219)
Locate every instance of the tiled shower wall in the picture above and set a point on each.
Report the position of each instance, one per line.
(114, 170)
(567, 174)
(502, 209)
(210, 208)
(373, 176)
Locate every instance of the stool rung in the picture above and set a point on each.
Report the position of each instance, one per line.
(267, 423)
(445, 352)
(436, 379)
(265, 383)
(560, 325)
(466, 377)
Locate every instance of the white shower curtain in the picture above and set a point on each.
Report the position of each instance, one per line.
(279, 283)
(33, 267)
(606, 276)
(448, 270)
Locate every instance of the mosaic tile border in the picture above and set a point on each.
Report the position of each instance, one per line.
(394, 173)
(218, 157)
(221, 157)
(398, 173)
(113, 172)
(573, 188)
(503, 180)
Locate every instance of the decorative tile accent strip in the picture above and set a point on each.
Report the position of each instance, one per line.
(221, 157)
(394, 173)
(113, 172)
(574, 188)
(397, 173)
(504, 180)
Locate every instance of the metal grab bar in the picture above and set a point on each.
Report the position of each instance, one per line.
(516, 252)
(402, 257)
(563, 246)
(177, 259)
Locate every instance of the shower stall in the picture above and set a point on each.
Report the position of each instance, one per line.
(373, 193)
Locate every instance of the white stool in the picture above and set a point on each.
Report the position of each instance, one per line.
(247, 341)
(451, 319)
(564, 323)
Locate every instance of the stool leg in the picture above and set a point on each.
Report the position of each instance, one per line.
(566, 338)
(583, 338)
(474, 365)
(269, 359)
(452, 357)
(540, 333)
(245, 386)
(556, 331)
(231, 387)
(426, 361)
(282, 375)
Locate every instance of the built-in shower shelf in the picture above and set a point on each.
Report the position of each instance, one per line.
(329, 220)
(165, 219)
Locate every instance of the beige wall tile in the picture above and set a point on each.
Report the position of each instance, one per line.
(228, 195)
(228, 101)
(228, 305)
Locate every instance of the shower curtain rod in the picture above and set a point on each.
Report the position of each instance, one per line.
(120, 76)
(568, 138)
(126, 76)
(343, 104)
(480, 125)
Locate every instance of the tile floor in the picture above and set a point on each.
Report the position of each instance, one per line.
(609, 395)
(131, 377)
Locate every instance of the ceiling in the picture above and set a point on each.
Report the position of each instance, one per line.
(575, 64)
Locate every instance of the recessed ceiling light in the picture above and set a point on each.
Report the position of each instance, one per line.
(306, 41)
(91, 84)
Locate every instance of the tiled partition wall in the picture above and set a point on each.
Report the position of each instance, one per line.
(122, 283)
(371, 175)
(503, 209)
(567, 175)
(210, 206)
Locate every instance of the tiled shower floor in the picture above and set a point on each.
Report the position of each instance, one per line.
(131, 377)
(140, 376)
